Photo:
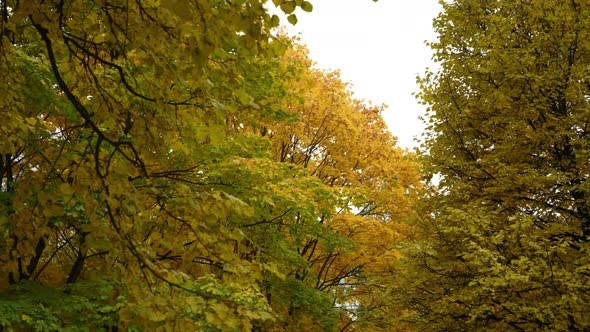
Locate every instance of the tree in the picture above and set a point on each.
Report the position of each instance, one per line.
(113, 212)
(342, 142)
(502, 241)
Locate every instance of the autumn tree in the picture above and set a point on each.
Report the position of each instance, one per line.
(115, 210)
(335, 281)
(502, 240)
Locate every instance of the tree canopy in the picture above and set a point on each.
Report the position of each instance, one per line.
(181, 165)
(502, 241)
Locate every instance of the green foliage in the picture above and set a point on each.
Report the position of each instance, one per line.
(502, 242)
(78, 307)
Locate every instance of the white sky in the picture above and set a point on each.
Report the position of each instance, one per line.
(379, 48)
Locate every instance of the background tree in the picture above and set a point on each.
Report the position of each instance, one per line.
(343, 143)
(502, 241)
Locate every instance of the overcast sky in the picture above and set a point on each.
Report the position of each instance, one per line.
(379, 48)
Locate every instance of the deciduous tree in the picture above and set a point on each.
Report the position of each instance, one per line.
(502, 241)
(343, 143)
(115, 210)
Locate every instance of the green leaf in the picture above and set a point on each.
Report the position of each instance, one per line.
(288, 7)
(307, 6)
(275, 21)
(292, 19)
